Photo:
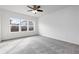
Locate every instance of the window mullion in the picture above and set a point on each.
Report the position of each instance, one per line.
(27, 25)
(20, 26)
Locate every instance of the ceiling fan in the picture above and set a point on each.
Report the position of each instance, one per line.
(35, 8)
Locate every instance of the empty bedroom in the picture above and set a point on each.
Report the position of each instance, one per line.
(39, 29)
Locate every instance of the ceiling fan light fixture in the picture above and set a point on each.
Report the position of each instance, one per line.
(34, 11)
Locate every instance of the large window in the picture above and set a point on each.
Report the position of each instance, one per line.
(17, 24)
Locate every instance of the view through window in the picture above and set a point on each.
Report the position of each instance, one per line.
(17, 25)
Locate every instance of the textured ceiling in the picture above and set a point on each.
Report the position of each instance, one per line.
(23, 9)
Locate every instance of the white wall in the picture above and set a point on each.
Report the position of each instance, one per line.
(6, 34)
(0, 28)
(62, 25)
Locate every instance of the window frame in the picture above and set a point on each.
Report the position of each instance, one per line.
(23, 25)
(31, 25)
(10, 25)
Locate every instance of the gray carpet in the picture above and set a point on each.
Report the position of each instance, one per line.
(37, 45)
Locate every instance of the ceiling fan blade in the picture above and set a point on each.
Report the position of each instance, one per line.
(29, 7)
(30, 10)
(40, 10)
(38, 6)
